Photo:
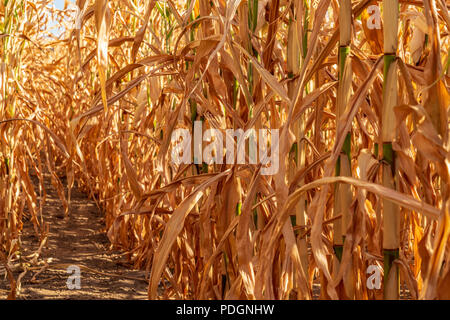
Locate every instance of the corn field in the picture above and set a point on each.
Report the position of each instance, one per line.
(358, 92)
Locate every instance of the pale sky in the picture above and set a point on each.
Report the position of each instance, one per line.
(59, 4)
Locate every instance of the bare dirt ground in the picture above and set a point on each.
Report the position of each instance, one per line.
(78, 240)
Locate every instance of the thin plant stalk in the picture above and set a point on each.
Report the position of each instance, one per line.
(391, 214)
(298, 158)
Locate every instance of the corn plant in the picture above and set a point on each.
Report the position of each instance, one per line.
(359, 94)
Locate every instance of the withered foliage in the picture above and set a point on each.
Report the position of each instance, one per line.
(93, 93)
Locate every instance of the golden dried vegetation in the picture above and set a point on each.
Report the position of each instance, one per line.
(94, 92)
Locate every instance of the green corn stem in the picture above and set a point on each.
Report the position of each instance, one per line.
(338, 250)
(391, 213)
(339, 190)
(344, 51)
(389, 256)
(305, 29)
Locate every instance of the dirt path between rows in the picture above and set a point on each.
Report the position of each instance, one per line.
(79, 240)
